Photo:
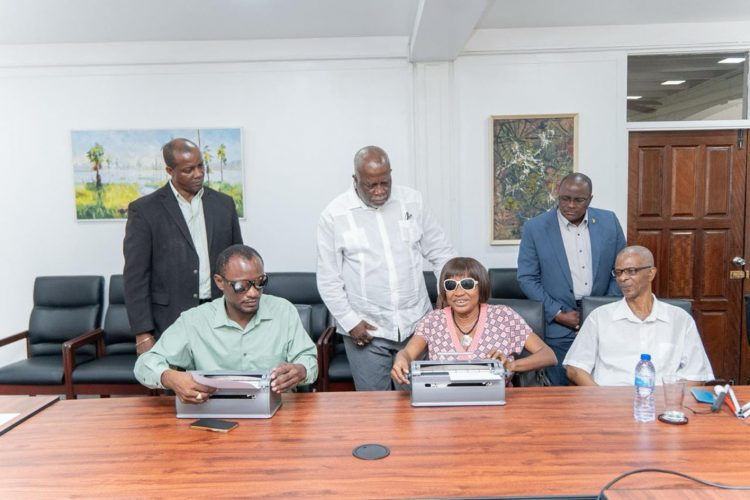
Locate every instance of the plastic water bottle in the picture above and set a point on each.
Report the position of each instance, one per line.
(644, 406)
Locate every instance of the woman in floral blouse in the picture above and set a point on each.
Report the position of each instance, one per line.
(469, 328)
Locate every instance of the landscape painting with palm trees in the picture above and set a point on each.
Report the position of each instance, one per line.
(114, 167)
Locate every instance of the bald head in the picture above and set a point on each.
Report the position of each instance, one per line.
(176, 148)
(578, 178)
(372, 176)
(371, 157)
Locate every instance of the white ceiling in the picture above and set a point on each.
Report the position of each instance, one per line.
(100, 21)
(550, 13)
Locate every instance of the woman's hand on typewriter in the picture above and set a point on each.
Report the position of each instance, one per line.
(498, 355)
(400, 370)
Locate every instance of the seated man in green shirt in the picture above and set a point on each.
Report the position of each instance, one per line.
(242, 331)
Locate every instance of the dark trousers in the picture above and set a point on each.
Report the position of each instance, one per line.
(560, 347)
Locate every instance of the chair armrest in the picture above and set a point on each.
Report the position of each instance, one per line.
(69, 355)
(89, 337)
(327, 337)
(327, 343)
(325, 346)
(14, 338)
(531, 378)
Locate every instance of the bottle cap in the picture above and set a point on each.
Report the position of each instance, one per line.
(645, 357)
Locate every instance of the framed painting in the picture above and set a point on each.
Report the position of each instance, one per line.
(530, 155)
(111, 168)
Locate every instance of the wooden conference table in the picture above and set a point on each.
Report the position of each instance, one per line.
(546, 441)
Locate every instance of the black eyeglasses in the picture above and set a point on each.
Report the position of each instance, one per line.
(570, 199)
(629, 271)
(466, 284)
(242, 286)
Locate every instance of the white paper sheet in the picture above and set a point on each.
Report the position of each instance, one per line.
(228, 381)
(7, 417)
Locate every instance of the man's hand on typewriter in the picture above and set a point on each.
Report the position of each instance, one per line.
(185, 386)
(287, 375)
(400, 370)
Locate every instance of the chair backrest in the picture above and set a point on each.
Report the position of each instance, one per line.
(305, 316)
(64, 308)
(301, 289)
(504, 283)
(530, 310)
(430, 282)
(588, 304)
(118, 337)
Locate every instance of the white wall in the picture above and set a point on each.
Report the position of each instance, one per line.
(301, 123)
(304, 107)
(586, 84)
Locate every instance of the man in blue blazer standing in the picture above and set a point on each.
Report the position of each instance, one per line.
(568, 253)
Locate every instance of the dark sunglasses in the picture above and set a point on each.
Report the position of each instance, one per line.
(242, 286)
(466, 284)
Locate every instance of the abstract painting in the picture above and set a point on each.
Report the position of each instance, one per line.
(530, 155)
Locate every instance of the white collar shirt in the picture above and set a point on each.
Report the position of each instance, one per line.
(612, 339)
(577, 243)
(370, 261)
(192, 211)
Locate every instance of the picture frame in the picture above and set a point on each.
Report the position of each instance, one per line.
(112, 168)
(529, 154)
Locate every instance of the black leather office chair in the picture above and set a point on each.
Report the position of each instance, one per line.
(112, 370)
(301, 289)
(588, 304)
(64, 307)
(430, 282)
(504, 283)
(533, 313)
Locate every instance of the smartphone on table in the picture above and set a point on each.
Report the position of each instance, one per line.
(212, 424)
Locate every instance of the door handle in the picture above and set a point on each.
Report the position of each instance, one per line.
(738, 261)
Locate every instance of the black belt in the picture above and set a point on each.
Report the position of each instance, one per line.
(203, 301)
(578, 303)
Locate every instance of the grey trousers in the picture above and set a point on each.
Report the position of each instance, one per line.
(371, 364)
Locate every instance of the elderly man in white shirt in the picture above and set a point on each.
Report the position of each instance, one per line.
(614, 336)
(371, 243)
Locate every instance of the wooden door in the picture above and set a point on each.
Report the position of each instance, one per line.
(686, 203)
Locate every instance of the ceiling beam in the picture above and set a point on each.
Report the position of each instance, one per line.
(442, 28)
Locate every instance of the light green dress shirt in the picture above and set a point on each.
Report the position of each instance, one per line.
(204, 338)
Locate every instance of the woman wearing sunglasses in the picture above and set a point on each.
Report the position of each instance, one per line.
(470, 328)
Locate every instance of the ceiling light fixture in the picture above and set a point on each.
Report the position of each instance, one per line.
(673, 82)
(732, 60)
(634, 97)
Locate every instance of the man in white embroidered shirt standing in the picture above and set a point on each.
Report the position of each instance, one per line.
(371, 243)
(614, 335)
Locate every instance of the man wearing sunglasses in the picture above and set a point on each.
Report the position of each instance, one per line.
(567, 253)
(244, 330)
(372, 241)
(615, 335)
